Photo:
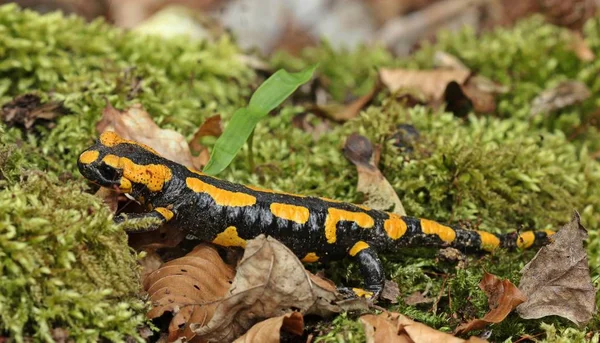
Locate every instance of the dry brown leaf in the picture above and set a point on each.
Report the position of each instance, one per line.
(378, 191)
(269, 331)
(557, 280)
(136, 124)
(396, 328)
(503, 297)
(190, 288)
(390, 291)
(565, 94)
(27, 109)
(270, 281)
(342, 113)
(417, 298)
(213, 127)
(431, 83)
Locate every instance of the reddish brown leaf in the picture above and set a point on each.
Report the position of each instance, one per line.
(557, 280)
(136, 124)
(211, 127)
(379, 192)
(190, 288)
(396, 328)
(503, 297)
(269, 331)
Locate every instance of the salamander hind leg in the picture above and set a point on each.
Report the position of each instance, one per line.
(371, 269)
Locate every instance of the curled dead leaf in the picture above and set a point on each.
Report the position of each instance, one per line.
(190, 288)
(396, 328)
(136, 124)
(431, 83)
(503, 297)
(557, 280)
(378, 191)
(270, 281)
(269, 330)
(564, 94)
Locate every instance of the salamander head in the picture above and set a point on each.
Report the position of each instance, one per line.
(115, 162)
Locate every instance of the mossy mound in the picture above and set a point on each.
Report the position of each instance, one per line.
(63, 264)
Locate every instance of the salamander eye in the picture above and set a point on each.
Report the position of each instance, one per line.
(108, 172)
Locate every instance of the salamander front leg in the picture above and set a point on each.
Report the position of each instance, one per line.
(163, 215)
(371, 269)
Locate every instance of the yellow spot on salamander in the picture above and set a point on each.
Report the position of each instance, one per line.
(361, 293)
(358, 247)
(549, 232)
(89, 156)
(125, 185)
(221, 197)
(311, 257)
(335, 215)
(298, 214)
(525, 239)
(230, 238)
(110, 139)
(153, 176)
(489, 242)
(394, 226)
(166, 213)
(445, 233)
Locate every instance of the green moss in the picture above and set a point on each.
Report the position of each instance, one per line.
(342, 330)
(498, 173)
(178, 81)
(63, 263)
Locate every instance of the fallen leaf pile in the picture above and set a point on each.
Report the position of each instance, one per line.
(392, 327)
(378, 191)
(503, 297)
(269, 282)
(557, 281)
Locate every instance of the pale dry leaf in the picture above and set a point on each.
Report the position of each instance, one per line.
(270, 281)
(136, 124)
(581, 47)
(503, 297)
(557, 280)
(417, 298)
(564, 94)
(396, 328)
(431, 83)
(269, 330)
(190, 288)
(378, 191)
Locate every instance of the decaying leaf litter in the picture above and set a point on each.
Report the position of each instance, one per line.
(367, 198)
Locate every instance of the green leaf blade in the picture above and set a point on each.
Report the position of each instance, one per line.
(267, 97)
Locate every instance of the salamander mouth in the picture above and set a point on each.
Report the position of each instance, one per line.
(102, 174)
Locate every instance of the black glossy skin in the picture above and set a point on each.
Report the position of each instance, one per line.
(204, 219)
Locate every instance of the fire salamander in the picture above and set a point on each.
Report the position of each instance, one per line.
(229, 214)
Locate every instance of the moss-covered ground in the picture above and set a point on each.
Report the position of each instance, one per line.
(64, 266)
